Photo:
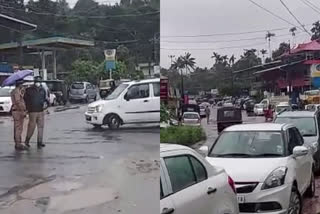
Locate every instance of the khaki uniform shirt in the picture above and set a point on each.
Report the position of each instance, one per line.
(18, 103)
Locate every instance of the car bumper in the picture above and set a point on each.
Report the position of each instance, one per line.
(273, 201)
(5, 108)
(94, 118)
(259, 112)
(191, 124)
(77, 97)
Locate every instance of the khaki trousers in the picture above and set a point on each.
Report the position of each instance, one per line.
(18, 119)
(36, 119)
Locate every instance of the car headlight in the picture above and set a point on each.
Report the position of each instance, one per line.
(276, 178)
(98, 108)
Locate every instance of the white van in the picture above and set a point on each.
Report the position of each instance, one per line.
(130, 102)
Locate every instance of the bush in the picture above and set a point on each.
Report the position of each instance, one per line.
(184, 135)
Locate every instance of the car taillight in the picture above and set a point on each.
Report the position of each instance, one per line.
(232, 185)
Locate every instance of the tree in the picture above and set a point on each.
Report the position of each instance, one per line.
(283, 48)
(293, 33)
(188, 62)
(232, 60)
(315, 31)
(263, 52)
(269, 35)
(217, 57)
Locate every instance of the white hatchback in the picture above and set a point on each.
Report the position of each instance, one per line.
(191, 119)
(5, 99)
(130, 103)
(190, 185)
(271, 167)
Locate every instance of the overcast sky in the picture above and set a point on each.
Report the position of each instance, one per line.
(203, 17)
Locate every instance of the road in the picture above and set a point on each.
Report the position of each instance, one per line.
(81, 170)
(310, 206)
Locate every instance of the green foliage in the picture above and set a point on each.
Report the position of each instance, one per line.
(183, 135)
(283, 48)
(83, 70)
(164, 114)
(315, 31)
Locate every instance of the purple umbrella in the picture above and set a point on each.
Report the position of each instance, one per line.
(19, 75)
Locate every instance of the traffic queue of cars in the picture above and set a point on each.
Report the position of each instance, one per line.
(270, 167)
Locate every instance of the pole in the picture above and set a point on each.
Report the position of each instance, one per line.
(182, 88)
(110, 73)
(54, 64)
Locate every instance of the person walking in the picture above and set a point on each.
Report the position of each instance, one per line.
(207, 110)
(35, 98)
(18, 113)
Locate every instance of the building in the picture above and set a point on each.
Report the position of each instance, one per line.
(297, 70)
(147, 69)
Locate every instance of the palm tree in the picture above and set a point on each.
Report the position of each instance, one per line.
(217, 57)
(268, 37)
(293, 33)
(177, 64)
(188, 62)
(232, 60)
(263, 52)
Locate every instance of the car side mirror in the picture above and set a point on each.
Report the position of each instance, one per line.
(299, 151)
(204, 150)
(127, 97)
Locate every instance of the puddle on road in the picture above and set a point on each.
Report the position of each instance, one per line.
(88, 198)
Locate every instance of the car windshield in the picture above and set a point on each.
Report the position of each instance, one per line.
(248, 144)
(306, 126)
(259, 105)
(117, 92)
(190, 116)
(281, 108)
(5, 92)
(77, 86)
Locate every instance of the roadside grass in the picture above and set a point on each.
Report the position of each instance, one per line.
(183, 135)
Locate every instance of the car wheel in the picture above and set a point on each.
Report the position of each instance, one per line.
(295, 204)
(114, 122)
(312, 187)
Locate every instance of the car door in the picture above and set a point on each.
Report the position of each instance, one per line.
(155, 103)
(137, 104)
(300, 161)
(190, 193)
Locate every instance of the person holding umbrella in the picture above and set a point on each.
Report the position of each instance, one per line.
(18, 113)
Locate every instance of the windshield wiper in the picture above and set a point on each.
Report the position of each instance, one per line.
(309, 135)
(267, 155)
(231, 155)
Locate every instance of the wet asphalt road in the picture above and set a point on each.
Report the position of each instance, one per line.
(81, 170)
(310, 206)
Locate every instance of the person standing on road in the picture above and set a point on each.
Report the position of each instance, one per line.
(207, 110)
(18, 114)
(35, 98)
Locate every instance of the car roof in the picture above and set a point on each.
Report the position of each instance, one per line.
(297, 114)
(258, 127)
(172, 147)
(143, 81)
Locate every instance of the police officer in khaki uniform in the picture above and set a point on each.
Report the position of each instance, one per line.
(18, 113)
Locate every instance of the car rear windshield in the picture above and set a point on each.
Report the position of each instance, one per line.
(248, 144)
(77, 86)
(306, 125)
(190, 116)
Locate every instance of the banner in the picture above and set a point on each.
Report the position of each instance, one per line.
(110, 54)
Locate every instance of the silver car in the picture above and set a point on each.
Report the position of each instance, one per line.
(82, 91)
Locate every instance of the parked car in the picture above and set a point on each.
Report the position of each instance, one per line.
(258, 109)
(191, 119)
(312, 107)
(82, 91)
(308, 123)
(271, 167)
(190, 185)
(59, 89)
(131, 102)
(5, 99)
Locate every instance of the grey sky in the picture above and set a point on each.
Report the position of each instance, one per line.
(203, 17)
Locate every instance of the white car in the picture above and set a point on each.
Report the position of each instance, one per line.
(258, 109)
(5, 99)
(191, 119)
(271, 167)
(190, 185)
(282, 106)
(130, 103)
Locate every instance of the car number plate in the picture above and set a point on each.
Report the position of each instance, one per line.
(241, 199)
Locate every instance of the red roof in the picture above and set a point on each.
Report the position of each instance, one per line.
(310, 46)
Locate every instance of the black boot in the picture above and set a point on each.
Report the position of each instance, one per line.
(40, 145)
